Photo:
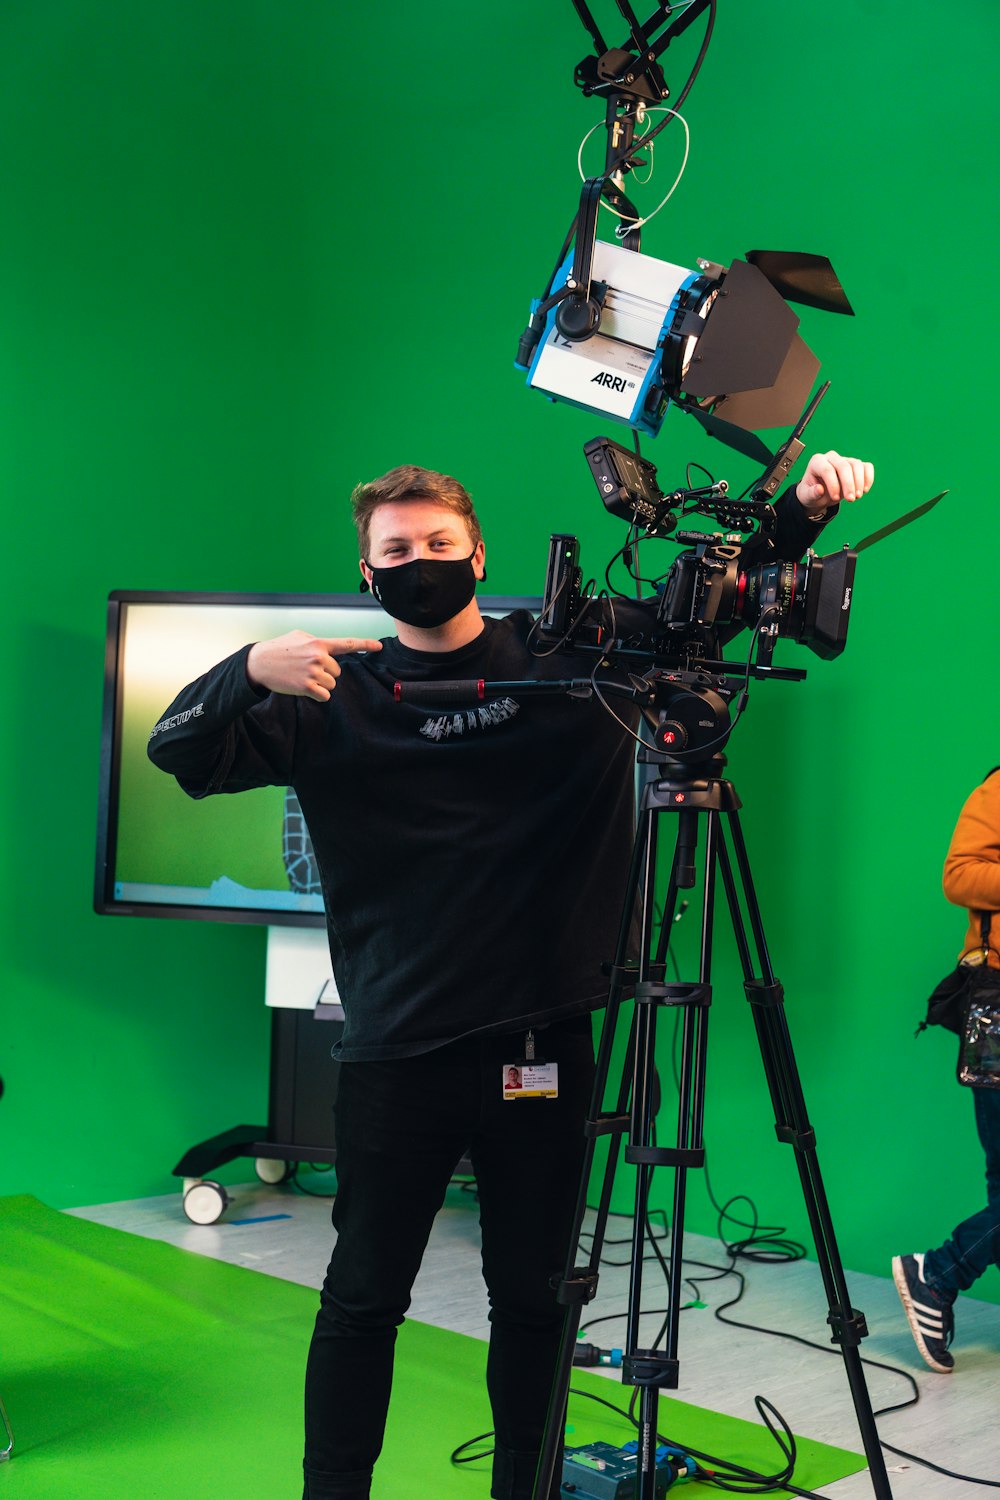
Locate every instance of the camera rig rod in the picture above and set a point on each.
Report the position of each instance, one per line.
(466, 692)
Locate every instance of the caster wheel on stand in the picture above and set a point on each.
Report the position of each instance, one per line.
(272, 1171)
(204, 1202)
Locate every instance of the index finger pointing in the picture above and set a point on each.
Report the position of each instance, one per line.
(350, 644)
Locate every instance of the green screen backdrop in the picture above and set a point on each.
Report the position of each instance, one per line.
(256, 251)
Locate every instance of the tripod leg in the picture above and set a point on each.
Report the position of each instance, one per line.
(652, 1370)
(642, 1123)
(579, 1283)
(792, 1125)
(689, 1148)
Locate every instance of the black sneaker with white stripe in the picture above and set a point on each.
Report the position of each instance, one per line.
(930, 1315)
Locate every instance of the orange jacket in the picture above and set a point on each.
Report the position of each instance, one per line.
(972, 868)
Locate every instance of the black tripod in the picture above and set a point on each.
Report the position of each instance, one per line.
(691, 792)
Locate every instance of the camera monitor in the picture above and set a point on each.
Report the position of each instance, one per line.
(232, 859)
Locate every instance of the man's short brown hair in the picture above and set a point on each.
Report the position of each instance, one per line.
(410, 483)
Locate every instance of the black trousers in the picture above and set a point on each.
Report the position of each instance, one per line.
(401, 1128)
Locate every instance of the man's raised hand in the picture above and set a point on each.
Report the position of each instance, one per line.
(301, 664)
(830, 478)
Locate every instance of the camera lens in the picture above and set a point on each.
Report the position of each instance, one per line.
(776, 589)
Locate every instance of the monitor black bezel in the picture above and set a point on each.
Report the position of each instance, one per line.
(105, 903)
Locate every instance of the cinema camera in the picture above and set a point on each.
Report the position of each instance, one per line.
(724, 581)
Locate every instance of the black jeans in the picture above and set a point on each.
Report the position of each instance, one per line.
(401, 1128)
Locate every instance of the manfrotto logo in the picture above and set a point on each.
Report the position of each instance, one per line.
(454, 726)
(605, 378)
(189, 713)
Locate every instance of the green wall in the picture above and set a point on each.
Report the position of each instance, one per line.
(253, 252)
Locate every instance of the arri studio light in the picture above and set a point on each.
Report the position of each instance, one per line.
(628, 335)
(719, 342)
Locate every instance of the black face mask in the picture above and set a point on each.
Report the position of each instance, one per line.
(426, 592)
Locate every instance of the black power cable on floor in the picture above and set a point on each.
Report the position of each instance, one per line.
(719, 1472)
(298, 1186)
(744, 1250)
(764, 1244)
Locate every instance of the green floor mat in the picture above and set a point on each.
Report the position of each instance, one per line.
(132, 1370)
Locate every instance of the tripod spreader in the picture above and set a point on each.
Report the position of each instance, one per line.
(650, 1370)
(848, 1331)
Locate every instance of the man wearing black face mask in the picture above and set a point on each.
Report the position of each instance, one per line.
(413, 563)
(472, 866)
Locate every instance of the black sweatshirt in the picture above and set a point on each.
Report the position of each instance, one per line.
(474, 862)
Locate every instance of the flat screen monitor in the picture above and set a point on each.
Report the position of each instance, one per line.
(231, 859)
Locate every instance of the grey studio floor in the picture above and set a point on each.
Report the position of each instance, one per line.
(722, 1368)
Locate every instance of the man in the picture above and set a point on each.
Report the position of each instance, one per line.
(473, 866)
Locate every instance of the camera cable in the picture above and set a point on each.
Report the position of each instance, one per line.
(628, 224)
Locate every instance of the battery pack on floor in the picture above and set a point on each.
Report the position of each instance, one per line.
(599, 1471)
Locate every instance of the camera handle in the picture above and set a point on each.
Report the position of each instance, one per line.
(693, 794)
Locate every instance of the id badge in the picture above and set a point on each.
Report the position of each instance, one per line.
(530, 1080)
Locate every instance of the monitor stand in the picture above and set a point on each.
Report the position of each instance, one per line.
(307, 1020)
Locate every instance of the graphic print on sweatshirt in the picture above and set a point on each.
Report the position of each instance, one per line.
(469, 720)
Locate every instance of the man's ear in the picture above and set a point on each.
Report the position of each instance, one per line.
(479, 561)
(366, 574)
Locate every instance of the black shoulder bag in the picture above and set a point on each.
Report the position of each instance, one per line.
(967, 1002)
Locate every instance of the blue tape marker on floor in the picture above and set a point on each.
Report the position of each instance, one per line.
(262, 1219)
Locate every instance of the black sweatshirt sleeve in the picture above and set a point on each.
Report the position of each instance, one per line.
(221, 734)
(795, 533)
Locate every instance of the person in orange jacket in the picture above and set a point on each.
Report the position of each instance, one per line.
(929, 1283)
